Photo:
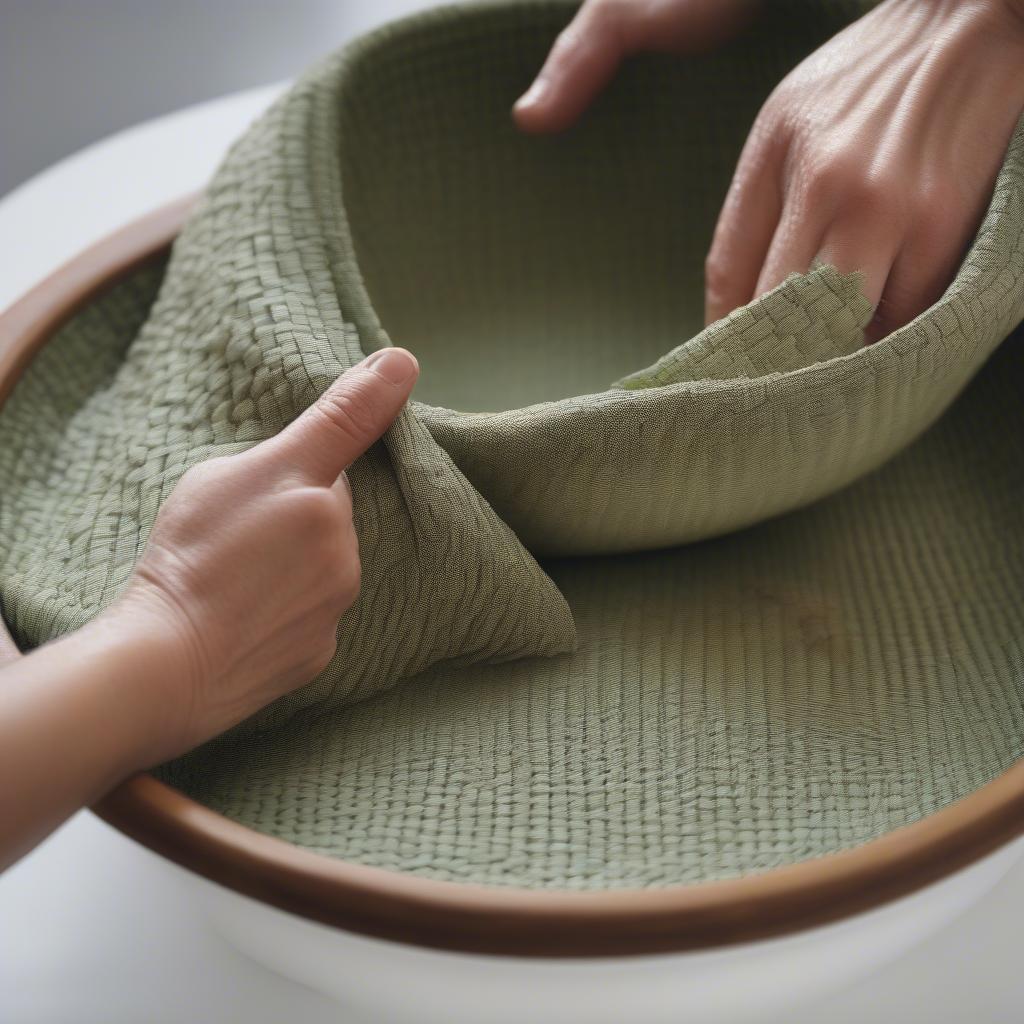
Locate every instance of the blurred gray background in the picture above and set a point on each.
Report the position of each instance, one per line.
(74, 71)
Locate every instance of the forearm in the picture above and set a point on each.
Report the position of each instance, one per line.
(76, 717)
(224, 613)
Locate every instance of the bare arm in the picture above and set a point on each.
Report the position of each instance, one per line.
(75, 718)
(235, 601)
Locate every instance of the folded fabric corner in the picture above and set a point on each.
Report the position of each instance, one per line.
(808, 319)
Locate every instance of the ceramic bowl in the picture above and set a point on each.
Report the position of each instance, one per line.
(400, 947)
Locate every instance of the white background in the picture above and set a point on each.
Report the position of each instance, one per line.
(91, 929)
(72, 71)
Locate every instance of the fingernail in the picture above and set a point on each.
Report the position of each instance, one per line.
(533, 95)
(395, 365)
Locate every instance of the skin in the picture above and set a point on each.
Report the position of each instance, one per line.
(878, 153)
(234, 602)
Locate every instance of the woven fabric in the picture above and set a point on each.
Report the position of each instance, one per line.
(644, 717)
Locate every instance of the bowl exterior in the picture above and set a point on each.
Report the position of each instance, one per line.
(378, 980)
(428, 915)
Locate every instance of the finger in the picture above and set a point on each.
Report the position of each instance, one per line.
(861, 245)
(939, 230)
(353, 413)
(918, 278)
(866, 246)
(749, 217)
(581, 62)
(796, 241)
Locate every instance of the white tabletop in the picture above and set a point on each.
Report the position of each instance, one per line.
(93, 932)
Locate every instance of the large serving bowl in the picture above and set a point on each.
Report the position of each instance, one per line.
(417, 949)
(800, 905)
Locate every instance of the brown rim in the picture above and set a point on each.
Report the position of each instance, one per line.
(473, 918)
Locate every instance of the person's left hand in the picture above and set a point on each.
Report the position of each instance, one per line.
(253, 559)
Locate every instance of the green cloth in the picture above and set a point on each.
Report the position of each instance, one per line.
(644, 717)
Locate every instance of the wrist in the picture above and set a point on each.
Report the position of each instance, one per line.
(141, 677)
(77, 716)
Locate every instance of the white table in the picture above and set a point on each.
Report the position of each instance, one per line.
(91, 930)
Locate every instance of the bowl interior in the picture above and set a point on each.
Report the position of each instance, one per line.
(526, 269)
(781, 693)
(789, 691)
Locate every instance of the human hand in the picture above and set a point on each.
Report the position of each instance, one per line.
(878, 153)
(234, 602)
(253, 559)
(588, 52)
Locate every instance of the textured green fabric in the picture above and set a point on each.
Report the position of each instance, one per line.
(727, 705)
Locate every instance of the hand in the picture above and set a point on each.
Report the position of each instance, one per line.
(878, 153)
(235, 601)
(604, 32)
(253, 559)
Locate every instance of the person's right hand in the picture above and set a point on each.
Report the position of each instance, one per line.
(254, 558)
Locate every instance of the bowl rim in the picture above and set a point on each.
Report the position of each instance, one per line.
(475, 918)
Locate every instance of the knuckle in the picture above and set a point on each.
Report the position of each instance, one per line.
(317, 514)
(322, 654)
(782, 115)
(349, 412)
(840, 181)
(203, 472)
(336, 574)
(716, 272)
(342, 491)
(830, 180)
(774, 111)
(874, 194)
(348, 582)
(766, 145)
(216, 464)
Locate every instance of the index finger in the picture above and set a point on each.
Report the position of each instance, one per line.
(581, 62)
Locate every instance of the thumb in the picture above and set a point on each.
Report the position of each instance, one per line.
(349, 417)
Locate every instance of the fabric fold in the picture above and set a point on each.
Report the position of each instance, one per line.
(259, 310)
(287, 274)
(809, 318)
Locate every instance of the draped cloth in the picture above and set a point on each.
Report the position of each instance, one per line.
(573, 410)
